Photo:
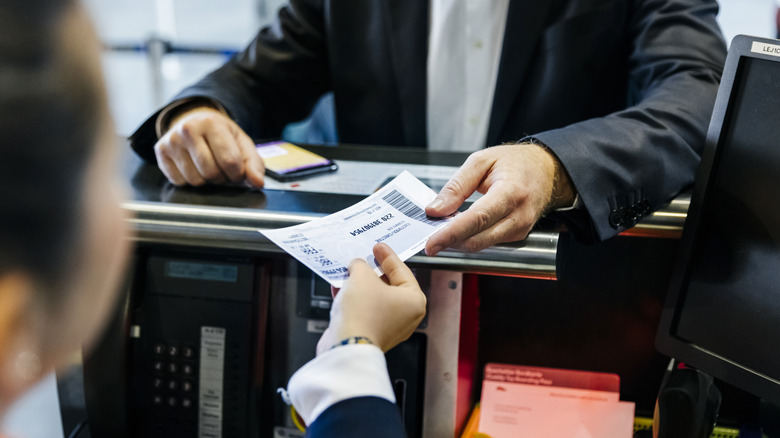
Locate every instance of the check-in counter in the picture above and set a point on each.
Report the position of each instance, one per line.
(230, 217)
(599, 315)
(220, 217)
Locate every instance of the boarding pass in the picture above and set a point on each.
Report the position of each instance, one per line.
(394, 214)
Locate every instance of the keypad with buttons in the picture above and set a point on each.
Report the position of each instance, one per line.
(173, 315)
(174, 368)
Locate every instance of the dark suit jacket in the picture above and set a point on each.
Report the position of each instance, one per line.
(620, 90)
(359, 417)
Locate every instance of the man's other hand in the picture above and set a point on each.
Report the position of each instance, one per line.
(385, 310)
(520, 182)
(203, 146)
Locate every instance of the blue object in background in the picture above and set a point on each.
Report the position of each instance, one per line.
(318, 128)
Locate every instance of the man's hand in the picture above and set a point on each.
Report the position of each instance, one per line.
(386, 312)
(520, 183)
(204, 146)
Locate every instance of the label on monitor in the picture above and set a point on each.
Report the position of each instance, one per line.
(766, 49)
(212, 371)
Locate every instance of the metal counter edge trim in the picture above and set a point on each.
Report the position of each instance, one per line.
(234, 228)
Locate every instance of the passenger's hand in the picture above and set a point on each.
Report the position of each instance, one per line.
(520, 183)
(204, 146)
(385, 310)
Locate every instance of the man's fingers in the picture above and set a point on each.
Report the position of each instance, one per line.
(170, 171)
(182, 147)
(206, 146)
(227, 152)
(398, 274)
(465, 181)
(482, 215)
(205, 160)
(254, 169)
(510, 229)
(187, 168)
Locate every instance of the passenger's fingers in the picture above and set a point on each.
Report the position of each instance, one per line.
(359, 268)
(170, 171)
(205, 161)
(360, 275)
(227, 152)
(398, 274)
(465, 181)
(254, 169)
(483, 214)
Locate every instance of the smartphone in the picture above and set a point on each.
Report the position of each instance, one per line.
(288, 162)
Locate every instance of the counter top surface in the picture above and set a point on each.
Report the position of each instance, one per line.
(229, 217)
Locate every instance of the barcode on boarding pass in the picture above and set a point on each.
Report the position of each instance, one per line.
(407, 207)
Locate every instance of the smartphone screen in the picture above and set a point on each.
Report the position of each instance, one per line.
(286, 162)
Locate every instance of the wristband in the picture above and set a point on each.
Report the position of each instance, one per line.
(353, 340)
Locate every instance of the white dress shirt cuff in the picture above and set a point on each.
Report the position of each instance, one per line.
(356, 370)
(575, 205)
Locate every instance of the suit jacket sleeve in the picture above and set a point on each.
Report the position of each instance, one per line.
(628, 163)
(346, 392)
(276, 80)
(358, 418)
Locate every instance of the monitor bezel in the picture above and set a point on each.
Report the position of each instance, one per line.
(667, 343)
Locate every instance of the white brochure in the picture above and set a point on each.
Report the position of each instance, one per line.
(395, 215)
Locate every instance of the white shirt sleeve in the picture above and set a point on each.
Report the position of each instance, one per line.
(349, 371)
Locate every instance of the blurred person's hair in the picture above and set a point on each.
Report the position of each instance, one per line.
(49, 117)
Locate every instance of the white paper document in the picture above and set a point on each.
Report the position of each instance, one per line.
(395, 215)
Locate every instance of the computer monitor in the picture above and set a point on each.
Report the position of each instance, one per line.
(722, 313)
